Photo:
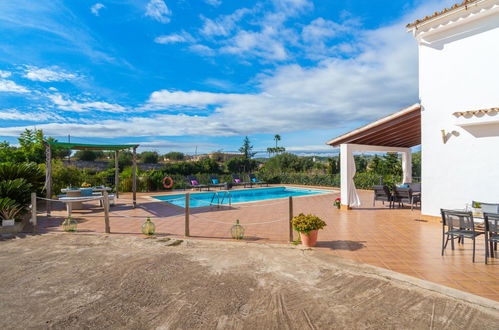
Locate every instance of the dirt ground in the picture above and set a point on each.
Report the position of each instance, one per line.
(97, 281)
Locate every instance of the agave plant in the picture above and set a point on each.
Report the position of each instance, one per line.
(9, 209)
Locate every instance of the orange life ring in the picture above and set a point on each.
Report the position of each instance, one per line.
(170, 183)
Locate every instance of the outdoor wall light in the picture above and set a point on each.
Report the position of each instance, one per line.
(446, 136)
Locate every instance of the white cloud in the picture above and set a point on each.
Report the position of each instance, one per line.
(174, 38)
(5, 74)
(96, 8)
(38, 116)
(157, 10)
(47, 74)
(70, 105)
(202, 50)
(10, 86)
(337, 93)
(214, 3)
(224, 24)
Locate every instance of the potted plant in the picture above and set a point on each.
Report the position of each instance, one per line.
(308, 226)
(337, 202)
(9, 210)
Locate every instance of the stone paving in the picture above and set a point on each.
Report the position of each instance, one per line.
(394, 239)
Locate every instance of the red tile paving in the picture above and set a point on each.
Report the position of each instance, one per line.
(394, 239)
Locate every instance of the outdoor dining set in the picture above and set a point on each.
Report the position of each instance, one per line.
(470, 223)
(407, 193)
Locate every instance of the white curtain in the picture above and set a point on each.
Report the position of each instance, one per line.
(353, 197)
(407, 166)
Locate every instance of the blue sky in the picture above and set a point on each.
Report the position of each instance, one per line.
(180, 74)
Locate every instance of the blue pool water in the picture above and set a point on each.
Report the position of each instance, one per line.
(238, 196)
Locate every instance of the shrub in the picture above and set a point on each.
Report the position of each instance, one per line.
(306, 223)
(149, 157)
(66, 176)
(31, 172)
(18, 190)
(9, 209)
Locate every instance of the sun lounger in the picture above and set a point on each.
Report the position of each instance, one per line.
(193, 182)
(236, 180)
(215, 182)
(254, 180)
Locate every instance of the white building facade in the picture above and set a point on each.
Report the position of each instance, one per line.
(459, 95)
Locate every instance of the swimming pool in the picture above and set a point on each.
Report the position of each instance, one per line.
(238, 196)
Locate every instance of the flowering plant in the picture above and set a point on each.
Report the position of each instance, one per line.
(306, 223)
(337, 202)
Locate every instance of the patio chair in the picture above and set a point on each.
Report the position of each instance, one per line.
(403, 195)
(193, 182)
(215, 182)
(459, 224)
(382, 193)
(487, 207)
(491, 233)
(415, 186)
(254, 180)
(236, 180)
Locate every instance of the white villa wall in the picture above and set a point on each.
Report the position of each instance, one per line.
(459, 73)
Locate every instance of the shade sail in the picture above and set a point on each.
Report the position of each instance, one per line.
(400, 129)
(82, 146)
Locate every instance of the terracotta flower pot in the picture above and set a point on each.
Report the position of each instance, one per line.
(309, 239)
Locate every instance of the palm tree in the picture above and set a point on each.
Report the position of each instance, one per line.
(277, 137)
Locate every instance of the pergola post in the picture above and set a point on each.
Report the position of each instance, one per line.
(134, 177)
(48, 176)
(116, 174)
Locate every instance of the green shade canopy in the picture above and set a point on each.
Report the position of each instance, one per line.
(83, 146)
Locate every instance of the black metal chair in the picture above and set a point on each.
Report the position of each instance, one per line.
(403, 195)
(383, 194)
(491, 233)
(459, 224)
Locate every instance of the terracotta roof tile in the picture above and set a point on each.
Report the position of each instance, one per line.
(438, 13)
(475, 112)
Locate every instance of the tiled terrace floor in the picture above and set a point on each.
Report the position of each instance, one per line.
(394, 239)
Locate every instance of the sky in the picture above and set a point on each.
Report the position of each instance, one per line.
(200, 75)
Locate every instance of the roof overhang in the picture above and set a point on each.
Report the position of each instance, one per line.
(400, 129)
(95, 147)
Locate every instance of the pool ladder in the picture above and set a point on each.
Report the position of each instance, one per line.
(219, 202)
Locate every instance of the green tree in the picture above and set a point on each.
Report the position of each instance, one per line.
(416, 164)
(247, 148)
(31, 145)
(10, 153)
(88, 155)
(241, 165)
(392, 164)
(149, 157)
(174, 155)
(277, 138)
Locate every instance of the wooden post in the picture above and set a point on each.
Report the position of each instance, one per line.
(134, 177)
(290, 218)
(116, 174)
(106, 211)
(48, 176)
(187, 200)
(33, 211)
